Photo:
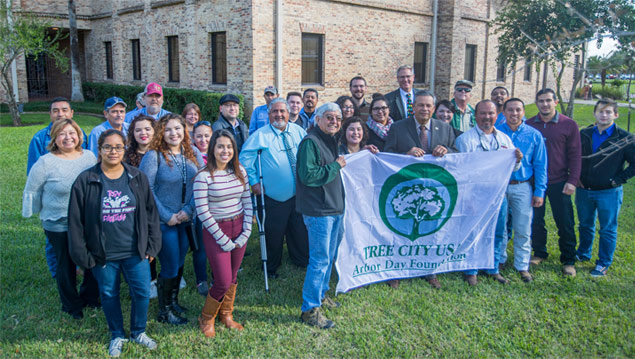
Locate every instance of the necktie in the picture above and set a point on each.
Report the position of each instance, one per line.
(409, 104)
(424, 138)
(289, 151)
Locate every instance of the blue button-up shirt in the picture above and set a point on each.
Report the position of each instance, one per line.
(259, 119)
(39, 144)
(500, 119)
(598, 138)
(132, 114)
(93, 138)
(534, 162)
(277, 175)
(306, 120)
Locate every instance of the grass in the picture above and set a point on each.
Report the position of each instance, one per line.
(552, 317)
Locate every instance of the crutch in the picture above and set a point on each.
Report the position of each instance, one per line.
(261, 224)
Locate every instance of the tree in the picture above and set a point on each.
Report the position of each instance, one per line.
(552, 31)
(599, 65)
(76, 75)
(419, 203)
(24, 35)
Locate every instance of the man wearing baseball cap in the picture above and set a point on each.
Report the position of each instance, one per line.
(115, 113)
(153, 98)
(464, 118)
(260, 116)
(228, 119)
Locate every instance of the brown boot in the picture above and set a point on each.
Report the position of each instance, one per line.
(227, 308)
(206, 319)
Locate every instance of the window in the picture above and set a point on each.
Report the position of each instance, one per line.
(109, 71)
(421, 56)
(173, 58)
(470, 62)
(312, 59)
(527, 75)
(219, 58)
(136, 59)
(576, 69)
(501, 69)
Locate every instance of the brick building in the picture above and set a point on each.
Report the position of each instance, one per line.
(242, 46)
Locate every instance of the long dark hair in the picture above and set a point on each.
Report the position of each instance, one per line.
(347, 123)
(376, 98)
(340, 102)
(158, 142)
(233, 165)
(132, 155)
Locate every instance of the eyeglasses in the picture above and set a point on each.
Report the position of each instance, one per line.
(463, 89)
(108, 148)
(348, 108)
(382, 108)
(332, 118)
(202, 123)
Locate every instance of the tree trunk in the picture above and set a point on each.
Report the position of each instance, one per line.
(8, 90)
(603, 77)
(579, 72)
(559, 84)
(76, 76)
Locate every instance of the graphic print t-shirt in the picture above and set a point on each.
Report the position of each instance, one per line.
(118, 204)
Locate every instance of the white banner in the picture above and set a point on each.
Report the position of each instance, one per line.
(409, 217)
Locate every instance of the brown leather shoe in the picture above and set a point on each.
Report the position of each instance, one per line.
(471, 279)
(501, 266)
(227, 308)
(393, 283)
(498, 277)
(433, 281)
(206, 319)
(536, 260)
(525, 276)
(569, 270)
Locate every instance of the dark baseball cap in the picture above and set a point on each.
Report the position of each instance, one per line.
(229, 98)
(467, 83)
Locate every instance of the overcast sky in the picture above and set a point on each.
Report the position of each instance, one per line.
(608, 45)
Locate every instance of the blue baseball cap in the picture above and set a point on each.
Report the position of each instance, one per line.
(113, 101)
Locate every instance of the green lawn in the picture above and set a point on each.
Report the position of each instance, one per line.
(553, 317)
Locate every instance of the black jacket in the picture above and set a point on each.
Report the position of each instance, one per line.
(240, 137)
(598, 178)
(86, 241)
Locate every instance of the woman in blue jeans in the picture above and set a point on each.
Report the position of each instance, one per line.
(113, 229)
(171, 164)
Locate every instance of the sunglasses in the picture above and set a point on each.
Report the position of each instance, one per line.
(463, 89)
(202, 123)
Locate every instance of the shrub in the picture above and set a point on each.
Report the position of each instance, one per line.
(44, 106)
(611, 92)
(174, 98)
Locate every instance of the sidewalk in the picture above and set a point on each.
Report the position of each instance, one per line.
(592, 102)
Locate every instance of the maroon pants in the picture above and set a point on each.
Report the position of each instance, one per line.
(224, 265)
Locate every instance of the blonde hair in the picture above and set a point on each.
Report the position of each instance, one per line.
(57, 127)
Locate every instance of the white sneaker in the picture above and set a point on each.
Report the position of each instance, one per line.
(145, 340)
(153, 289)
(182, 284)
(115, 347)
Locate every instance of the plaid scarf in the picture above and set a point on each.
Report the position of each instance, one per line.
(378, 128)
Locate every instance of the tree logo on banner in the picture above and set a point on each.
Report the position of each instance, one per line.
(418, 200)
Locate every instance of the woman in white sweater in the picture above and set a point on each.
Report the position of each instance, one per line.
(47, 192)
(223, 205)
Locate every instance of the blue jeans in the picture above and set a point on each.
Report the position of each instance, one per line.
(199, 259)
(173, 250)
(606, 205)
(519, 198)
(325, 235)
(51, 259)
(136, 272)
(499, 233)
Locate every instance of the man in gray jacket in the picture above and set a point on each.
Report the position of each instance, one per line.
(228, 119)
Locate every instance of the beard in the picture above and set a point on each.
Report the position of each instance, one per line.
(279, 124)
(153, 109)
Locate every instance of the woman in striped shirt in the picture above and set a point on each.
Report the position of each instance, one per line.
(223, 205)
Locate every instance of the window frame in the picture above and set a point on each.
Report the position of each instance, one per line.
(173, 55)
(109, 66)
(420, 69)
(218, 65)
(318, 57)
(135, 46)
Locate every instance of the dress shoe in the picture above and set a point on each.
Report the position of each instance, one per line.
(498, 277)
(394, 283)
(536, 260)
(433, 281)
(471, 279)
(525, 276)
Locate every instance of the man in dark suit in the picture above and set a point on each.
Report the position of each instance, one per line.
(406, 136)
(418, 135)
(401, 101)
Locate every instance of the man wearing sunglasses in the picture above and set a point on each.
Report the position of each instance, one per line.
(464, 118)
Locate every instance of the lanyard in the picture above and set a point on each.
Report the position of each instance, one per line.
(182, 166)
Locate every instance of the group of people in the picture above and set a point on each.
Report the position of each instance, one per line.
(115, 207)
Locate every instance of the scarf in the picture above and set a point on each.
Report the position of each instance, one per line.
(379, 129)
